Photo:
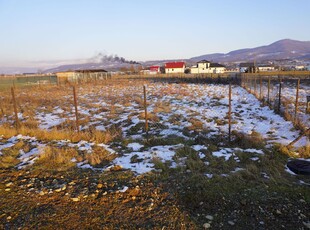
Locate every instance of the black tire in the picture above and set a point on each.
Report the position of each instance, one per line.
(299, 167)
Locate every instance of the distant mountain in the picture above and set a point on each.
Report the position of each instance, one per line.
(283, 49)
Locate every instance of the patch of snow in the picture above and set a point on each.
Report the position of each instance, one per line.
(135, 146)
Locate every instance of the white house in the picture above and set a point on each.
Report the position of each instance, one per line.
(155, 69)
(217, 68)
(205, 66)
(175, 67)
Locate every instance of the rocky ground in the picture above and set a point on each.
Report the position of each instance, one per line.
(80, 199)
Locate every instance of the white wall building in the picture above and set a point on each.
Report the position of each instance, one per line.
(205, 66)
(175, 67)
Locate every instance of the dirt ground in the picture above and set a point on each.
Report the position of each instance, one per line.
(82, 199)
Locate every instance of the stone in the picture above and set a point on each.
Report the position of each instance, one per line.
(7, 189)
(209, 217)
(207, 225)
(278, 212)
(243, 202)
(8, 184)
(64, 187)
(75, 199)
(99, 186)
(135, 192)
(307, 224)
(41, 193)
(58, 190)
(231, 223)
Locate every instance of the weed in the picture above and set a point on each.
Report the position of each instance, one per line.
(55, 159)
(99, 157)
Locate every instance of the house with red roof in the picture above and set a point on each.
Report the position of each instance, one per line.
(155, 69)
(175, 67)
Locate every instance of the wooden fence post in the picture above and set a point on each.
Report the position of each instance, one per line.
(255, 87)
(145, 113)
(268, 93)
(296, 102)
(15, 109)
(76, 110)
(280, 89)
(260, 87)
(229, 113)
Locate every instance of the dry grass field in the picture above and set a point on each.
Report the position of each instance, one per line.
(178, 172)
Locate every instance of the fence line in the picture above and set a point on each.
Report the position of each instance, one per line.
(150, 124)
(278, 99)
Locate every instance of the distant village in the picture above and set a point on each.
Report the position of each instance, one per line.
(177, 67)
(207, 67)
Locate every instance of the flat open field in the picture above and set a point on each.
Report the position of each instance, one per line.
(178, 172)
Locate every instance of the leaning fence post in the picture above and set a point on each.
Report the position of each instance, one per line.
(296, 102)
(76, 110)
(145, 113)
(229, 113)
(15, 108)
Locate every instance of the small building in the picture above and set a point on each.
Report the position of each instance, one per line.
(299, 67)
(201, 67)
(81, 75)
(154, 69)
(175, 67)
(265, 68)
(205, 66)
(217, 68)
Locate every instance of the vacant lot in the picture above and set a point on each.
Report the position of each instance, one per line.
(182, 173)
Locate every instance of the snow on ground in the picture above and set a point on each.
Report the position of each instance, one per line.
(182, 110)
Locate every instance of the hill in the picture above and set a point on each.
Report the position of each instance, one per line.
(283, 49)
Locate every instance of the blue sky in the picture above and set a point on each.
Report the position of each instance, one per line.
(44, 30)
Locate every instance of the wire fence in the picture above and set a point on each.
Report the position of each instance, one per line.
(142, 109)
(289, 97)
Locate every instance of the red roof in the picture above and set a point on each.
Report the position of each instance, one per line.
(174, 65)
(154, 68)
